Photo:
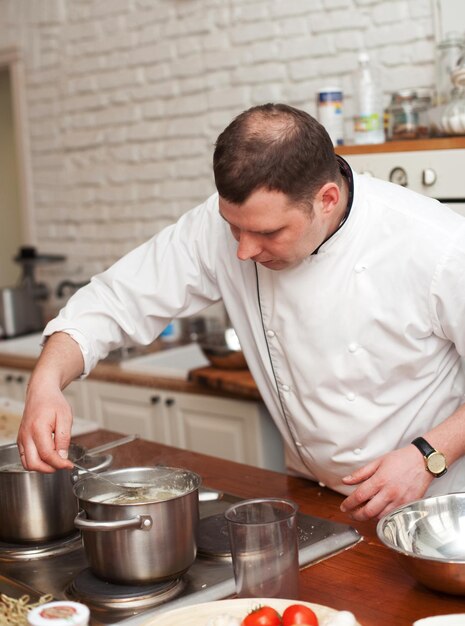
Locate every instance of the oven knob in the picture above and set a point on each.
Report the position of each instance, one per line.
(428, 177)
(399, 176)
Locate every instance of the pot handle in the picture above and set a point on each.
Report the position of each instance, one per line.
(141, 522)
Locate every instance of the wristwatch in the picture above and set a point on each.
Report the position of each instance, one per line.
(435, 461)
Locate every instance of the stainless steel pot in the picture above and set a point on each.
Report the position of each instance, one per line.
(38, 507)
(139, 541)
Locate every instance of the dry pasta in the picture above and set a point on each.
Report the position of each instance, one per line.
(13, 611)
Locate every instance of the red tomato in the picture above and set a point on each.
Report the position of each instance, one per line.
(298, 614)
(263, 616)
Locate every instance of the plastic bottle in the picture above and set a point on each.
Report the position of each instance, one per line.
(329, 102)
(368, 101)
(173, 332)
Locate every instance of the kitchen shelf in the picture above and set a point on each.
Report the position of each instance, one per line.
(413, 145)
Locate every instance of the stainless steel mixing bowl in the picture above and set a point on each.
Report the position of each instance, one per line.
(223, 350)
(428, 537)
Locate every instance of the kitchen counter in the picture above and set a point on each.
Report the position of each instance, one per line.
(365, 579)
(207, 380)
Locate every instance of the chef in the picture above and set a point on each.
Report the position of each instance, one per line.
(348, 297)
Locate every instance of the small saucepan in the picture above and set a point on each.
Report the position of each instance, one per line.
(133, 538)
(39, 507)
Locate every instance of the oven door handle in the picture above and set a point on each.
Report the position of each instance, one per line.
(141, 522)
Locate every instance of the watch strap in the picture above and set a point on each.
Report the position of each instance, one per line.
(425, 448)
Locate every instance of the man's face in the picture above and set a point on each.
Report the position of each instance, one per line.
(272, 231)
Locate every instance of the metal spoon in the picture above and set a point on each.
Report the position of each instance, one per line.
(136, 489)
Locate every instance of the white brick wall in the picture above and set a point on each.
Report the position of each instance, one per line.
(126, 97)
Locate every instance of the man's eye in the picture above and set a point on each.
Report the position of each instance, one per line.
(270, 234)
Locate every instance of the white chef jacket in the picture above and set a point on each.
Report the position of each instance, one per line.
(355, 351)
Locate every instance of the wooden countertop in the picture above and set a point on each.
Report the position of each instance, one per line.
(237, 384)
(365, 579)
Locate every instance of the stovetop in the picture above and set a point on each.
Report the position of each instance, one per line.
(66, 569)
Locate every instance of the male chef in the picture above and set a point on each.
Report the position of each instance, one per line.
(348, 297)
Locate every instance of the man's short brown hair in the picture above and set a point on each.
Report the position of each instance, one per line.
(275, 147)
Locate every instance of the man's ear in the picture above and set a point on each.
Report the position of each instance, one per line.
(329, 196)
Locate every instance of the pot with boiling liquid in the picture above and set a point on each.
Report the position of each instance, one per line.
(140, 535)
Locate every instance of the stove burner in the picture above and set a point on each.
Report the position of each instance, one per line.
(213, 537)
(28, 552)
(100, 595)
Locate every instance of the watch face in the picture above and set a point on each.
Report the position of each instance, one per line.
(436, 462)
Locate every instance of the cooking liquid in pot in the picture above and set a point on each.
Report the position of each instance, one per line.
(139, 495)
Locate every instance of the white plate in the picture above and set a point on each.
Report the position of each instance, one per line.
(199, 614)
(442, 620)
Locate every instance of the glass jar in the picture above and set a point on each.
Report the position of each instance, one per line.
(453, 120)
(423, 103)
(403, 116)
(448, 53)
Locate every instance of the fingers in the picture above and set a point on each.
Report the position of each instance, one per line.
(370, 508)
(44, 436)
(361, 474)
(63, 435)
(31, 459)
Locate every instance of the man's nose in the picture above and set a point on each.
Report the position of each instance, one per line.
(247, 247)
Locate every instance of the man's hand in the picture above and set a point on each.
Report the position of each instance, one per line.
(386, 483)
(45, 431)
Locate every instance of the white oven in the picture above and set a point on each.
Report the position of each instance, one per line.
(439, 174)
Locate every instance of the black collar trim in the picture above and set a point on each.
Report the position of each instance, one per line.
(346, 171)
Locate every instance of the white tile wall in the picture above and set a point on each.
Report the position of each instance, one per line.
(126, 97)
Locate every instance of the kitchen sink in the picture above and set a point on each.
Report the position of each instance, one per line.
(29, 346)
(174, 362)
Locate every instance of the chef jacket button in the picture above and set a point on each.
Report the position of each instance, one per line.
(353, 347)
(358, 451)
(359, 268)
(285, 387)
(299, 444)
(350, 396)
(270, 333)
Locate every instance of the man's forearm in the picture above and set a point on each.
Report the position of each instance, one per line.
(449, 435)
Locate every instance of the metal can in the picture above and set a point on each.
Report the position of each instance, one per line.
(330, 113)
(59, 613)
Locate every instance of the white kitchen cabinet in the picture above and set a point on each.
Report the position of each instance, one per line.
(77, 395)
(129, 409)
(238, 430)
(13, 384)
